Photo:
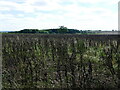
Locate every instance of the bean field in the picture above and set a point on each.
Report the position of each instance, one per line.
(60, 61)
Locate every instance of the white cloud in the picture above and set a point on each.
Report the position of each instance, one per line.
(51, 13)
(4, 9)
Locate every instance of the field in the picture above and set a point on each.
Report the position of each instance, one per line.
(60, 61)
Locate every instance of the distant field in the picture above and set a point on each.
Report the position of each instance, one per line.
(71, 31)
(109, 32)
(60, 61)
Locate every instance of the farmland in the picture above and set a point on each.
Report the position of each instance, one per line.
(60, 61)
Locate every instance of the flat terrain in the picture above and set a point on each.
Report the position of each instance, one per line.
(61, 61)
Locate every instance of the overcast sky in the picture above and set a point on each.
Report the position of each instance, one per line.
(43, 14)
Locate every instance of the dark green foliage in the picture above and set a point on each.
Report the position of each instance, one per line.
(60, 61)
(50, 31)
(61, 30)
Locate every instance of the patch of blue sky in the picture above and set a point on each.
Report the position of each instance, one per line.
(98, 12)
(53, 12)
(17, 13)
(97, 5)
(112, 7)
(87, 5)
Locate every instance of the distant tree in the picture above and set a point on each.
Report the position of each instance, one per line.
(63, 29)
(29, 31)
